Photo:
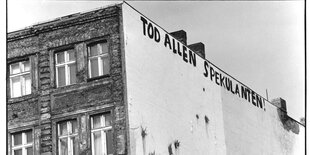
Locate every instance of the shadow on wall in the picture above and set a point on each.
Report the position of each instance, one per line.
(288, 123)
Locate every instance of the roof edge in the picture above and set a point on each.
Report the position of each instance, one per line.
(34, 28)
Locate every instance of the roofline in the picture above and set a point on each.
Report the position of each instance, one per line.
(73, 15)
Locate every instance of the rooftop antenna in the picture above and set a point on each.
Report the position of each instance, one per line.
(267, 95)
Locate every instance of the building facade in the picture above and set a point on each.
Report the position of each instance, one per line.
(110, 81)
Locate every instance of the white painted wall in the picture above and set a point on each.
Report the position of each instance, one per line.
(250, 130)
(165, 94)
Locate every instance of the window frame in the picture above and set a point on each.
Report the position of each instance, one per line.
(70, 145)
(24, 144)
(66, 64)
(22, 74)
(99, 57)
(103, 131)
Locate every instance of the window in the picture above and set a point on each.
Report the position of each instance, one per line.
(22, 143)
(67, 138)
(98, 60)
(20, 80)
(101, 135)
(65, 68)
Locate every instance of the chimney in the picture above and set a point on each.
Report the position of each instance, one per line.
(288, 123)
(180, 36)
(199, 48)
(280, 103)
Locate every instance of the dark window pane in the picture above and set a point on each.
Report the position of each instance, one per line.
(29, 136)
(108, 120)
(71, 54)
(97, 121)
(17, 139)
(15, 68)
(105, 65)
(61, 76)
(103, 48)
(60, 57)
(75, 145)
(18, 152)
(26, 66)
(109, 142)
(63, 146)
(94, 67)
(97, 143)
(29, 151)
(93, 50)
(74, 126)
(72, 69)
(63, 128)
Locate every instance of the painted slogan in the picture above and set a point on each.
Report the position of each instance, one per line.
(210, 72)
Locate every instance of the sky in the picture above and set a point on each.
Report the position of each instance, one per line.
(260, 43)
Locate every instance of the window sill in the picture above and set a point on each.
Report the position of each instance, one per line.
(21, 98)
(80, 86)
(98, 77)
(65, 87)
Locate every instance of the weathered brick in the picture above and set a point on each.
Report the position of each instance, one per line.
(45, 109)
(116, 64)
(44, 75)
(45, 69)
(46, 143)
(116, 59)
(45, 116)
(45, 98)
(121, 146)
(45, 86)
(85, 94)
(46, 138)
(119, 113)
(45, 104)
(44, 63)
(45, 81)
(44, 57)
(45, 92)
(46, 121)
(45, 126)
(22, 110)
(116, 71)
(46, 132)
(46, 149)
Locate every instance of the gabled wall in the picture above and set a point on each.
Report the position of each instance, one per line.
(169, 100)
(177, 104)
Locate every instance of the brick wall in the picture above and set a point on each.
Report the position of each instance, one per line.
(48, 104)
